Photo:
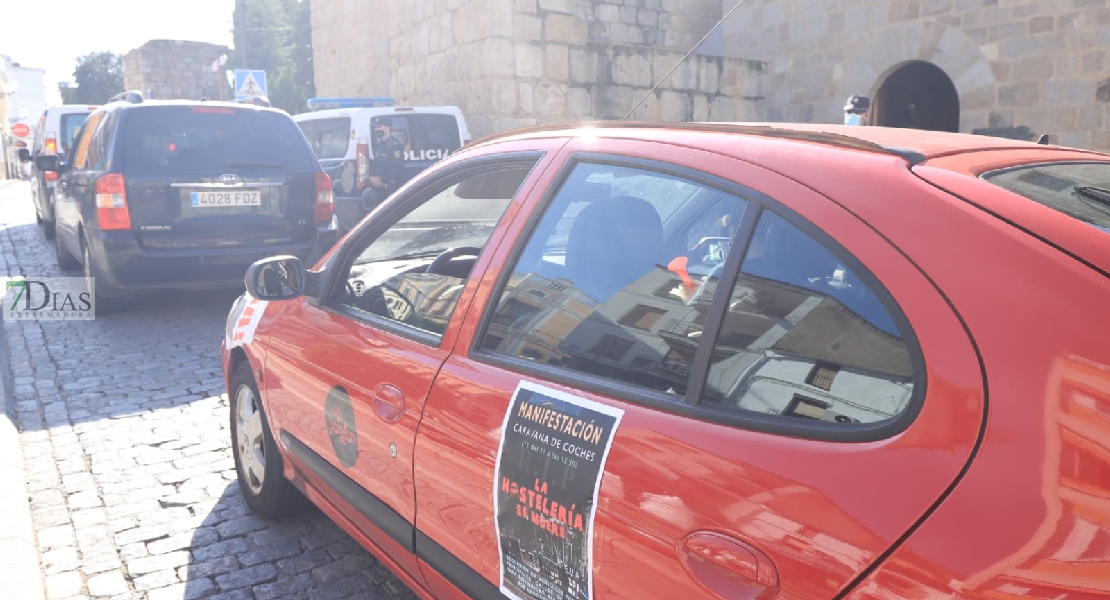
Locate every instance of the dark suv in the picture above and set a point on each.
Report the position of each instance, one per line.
(185, 194)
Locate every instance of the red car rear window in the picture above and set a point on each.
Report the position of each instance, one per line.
(1078, 189)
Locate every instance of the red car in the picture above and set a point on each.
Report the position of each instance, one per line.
(693, 361)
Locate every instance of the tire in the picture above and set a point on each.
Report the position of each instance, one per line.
(49, 228)
(66, 261)
(107, 300)
(258, 463)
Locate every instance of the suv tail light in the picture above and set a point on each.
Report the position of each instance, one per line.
(325, 207)
(362, 151)
(50, 146)
(111, 203)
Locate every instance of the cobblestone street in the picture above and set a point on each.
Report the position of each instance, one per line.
(124, 431)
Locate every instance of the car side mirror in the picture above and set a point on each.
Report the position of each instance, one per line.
(48, 162)
(276, 278)
(24, 155)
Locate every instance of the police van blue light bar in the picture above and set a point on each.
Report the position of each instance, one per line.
(330, 103)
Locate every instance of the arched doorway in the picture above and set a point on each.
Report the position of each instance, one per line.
(918, 95)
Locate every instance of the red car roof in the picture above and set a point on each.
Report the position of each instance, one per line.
(925, 144)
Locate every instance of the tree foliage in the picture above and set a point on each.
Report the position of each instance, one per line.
(98, 77)
(276, 36)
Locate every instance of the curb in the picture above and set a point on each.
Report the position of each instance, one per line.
(20, 570)
(7, 182)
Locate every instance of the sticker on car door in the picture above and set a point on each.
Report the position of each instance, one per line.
(549, 466)
(242, 333)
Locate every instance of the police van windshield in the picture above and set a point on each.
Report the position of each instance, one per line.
(426, 137)
(329, 138)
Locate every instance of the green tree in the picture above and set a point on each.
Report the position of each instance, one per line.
(276, 36)
(99, 76)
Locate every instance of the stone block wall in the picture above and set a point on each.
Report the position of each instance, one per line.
(176, 69)
(350, 45)
(510, 63)
(1036, 64)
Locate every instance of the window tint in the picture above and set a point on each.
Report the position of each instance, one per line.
(329, 138)
(98, 148)
(1079, 190)
(85, 133)
(211, 139)
(614, 284)
(397, 276)
(425, 136)
(804, 337)
(69, 126)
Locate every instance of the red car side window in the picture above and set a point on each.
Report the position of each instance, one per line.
(804, 337)
(618, 277)
(415, 271)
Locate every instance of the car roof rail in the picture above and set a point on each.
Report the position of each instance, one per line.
(255, 100)
(332, 103)
(132, 96)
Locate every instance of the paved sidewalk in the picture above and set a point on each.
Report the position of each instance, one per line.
(20, 571)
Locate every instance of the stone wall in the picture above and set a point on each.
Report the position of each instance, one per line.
(176, 69)
(510, 63)
(1036, 64)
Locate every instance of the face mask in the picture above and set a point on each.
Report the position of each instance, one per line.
(852, 119)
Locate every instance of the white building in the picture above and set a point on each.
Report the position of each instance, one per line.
(27, 103)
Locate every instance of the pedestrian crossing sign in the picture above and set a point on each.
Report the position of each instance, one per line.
(249, 84)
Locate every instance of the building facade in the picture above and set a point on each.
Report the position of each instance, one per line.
(166, 69)
(1017, 68)
(27, 88)
(510, 63)
(1014, 68)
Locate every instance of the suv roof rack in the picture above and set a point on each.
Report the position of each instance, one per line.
(329, 103)
(255, 100)
(132, 96)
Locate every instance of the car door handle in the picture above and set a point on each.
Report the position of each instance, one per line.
(729, 567)
(388, 402)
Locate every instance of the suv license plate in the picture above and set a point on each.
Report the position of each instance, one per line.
(203, 199)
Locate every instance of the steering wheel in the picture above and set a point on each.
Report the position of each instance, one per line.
(447, 255)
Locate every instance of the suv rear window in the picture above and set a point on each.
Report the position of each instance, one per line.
(1079, 190)
(69, 125)
(165, 139)
(426, 136)
(329, 138)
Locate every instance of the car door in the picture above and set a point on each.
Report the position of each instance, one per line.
(680, 387)
(346, 375)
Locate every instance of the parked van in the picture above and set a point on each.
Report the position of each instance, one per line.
(339, 131)
(56, 130)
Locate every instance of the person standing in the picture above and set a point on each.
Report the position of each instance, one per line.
(387, 166)
(857, 111)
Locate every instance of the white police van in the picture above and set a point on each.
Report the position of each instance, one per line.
(339, 131)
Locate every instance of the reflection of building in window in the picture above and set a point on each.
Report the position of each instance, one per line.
(804, 342)
(611, 347)
(642, 317)
(622, 339)
(536, 314)
(669, 289)
(515, 313)
(429, 299)
(822, 375)
(807, 408)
